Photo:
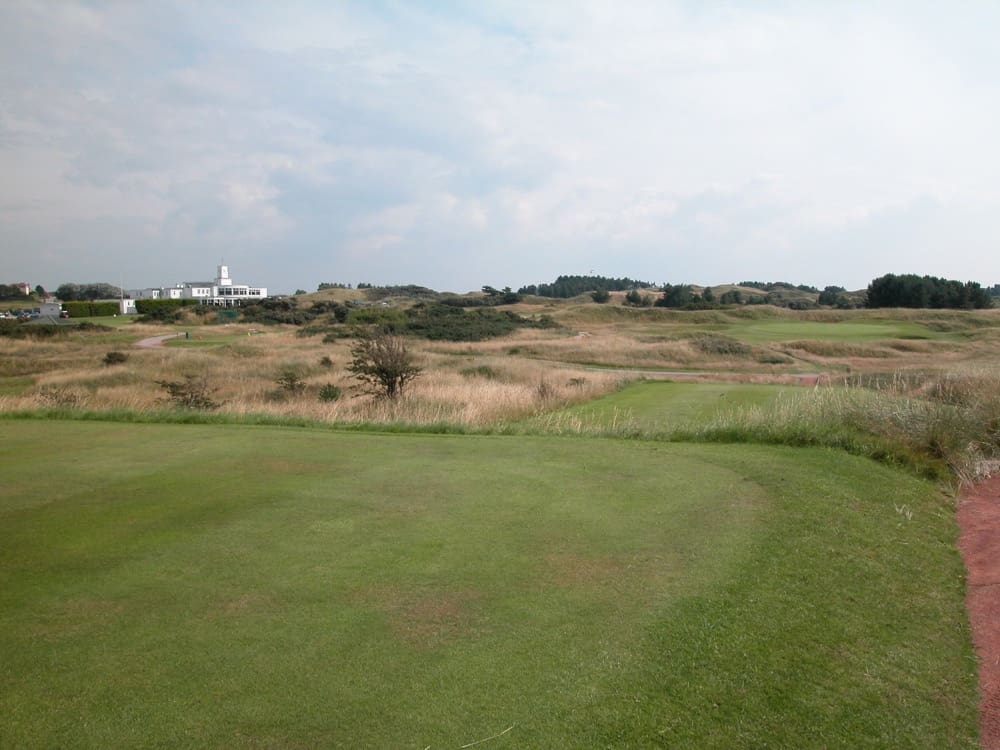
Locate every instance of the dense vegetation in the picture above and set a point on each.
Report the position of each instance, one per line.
(90, 309)
(87, 292)
(771, 286)
(13, 292)
(565, 287)
(910, 290)
(442, 322)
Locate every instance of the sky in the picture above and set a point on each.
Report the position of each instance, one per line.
(461, 144)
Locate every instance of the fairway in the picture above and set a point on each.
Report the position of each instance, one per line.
(662, 405)
(764, 331)
(235, 586)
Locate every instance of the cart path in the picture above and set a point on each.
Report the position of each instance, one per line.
(979, 541)
(155, 341)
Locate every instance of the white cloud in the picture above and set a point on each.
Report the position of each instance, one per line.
(450, 146)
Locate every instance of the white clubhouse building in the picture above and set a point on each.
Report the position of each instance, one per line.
(221, 292)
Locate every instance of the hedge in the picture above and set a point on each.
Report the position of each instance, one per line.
(150, 306)
(90, 309)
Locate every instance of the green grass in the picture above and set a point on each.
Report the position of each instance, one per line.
(113, 321)
(238, 586)
(662, 405)
(765, 331)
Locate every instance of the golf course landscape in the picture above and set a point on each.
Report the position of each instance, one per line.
(629, 528)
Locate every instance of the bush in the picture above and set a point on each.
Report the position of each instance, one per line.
(193, 392)
(383, 362)
(115, 358)
(329, 392)
(90, 309)
(291, 381)
(162, 310)
(721, 345)
(60, 396)
(440, 322)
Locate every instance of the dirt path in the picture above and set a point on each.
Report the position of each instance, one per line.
(979, 524)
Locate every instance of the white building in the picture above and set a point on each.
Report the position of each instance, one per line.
(221, 292)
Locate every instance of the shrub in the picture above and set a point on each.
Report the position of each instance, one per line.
(329, 392)
(721, 345)
(291, 381)
(90, 309)
(193, 392)
(60, 395)
(326, 362)
(115, 358)
(383, 362)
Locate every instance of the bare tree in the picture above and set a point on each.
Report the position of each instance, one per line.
(383, 362)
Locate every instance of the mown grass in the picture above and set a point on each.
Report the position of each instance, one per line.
(755, 331)
(213, 585)
(658, 406)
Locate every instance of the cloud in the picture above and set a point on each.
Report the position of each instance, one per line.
(454, 145)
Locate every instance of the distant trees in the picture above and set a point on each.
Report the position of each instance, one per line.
(770, 286)
(836, 296)
(910, 290)
(634, 298)
(676, 295)
(11, 291)
(505, 296)
(87, 292)
(565, 287)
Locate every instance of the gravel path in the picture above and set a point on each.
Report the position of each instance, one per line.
(979, 524)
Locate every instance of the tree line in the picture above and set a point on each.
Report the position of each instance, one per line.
(910, 290)
(565, 287)
(87, 292)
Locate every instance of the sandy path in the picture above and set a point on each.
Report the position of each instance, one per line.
(979, 524)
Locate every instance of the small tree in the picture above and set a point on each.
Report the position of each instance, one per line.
(600, 296)
(383, 362)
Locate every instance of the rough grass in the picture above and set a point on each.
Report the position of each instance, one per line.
(203, 585)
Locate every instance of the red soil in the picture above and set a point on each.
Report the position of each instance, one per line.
(979, 523)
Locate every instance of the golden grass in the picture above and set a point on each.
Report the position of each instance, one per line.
(529, 373)
(244, 376)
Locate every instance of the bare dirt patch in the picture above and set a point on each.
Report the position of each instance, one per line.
(979, 522)
(425, 619)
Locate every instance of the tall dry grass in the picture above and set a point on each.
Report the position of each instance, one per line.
(945, 413)
(467, 388)
(928, 420)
